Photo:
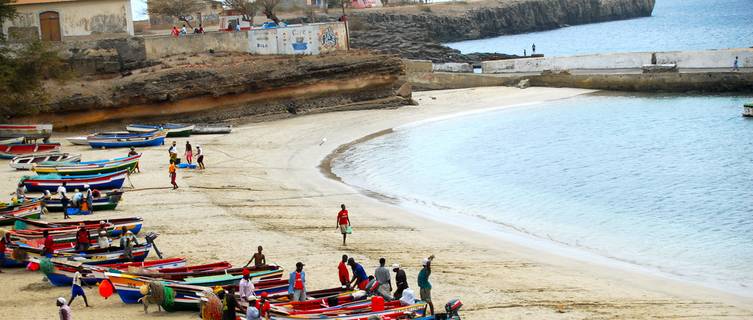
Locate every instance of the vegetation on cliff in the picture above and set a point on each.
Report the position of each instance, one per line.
(23, 67)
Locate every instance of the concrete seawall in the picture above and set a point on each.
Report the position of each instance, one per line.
(629, 60)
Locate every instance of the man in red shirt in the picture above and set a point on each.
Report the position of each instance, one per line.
(82, 238)
(343, 222)
(47, 250)
(342, 272)
(263, 305)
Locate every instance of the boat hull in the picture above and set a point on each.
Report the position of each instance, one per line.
(127, 140)
(11, 151)
(89, 167)
(173, 130)
(28, 161)
(51, 183)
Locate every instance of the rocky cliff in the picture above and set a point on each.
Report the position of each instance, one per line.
(213, 87)
(417, 32)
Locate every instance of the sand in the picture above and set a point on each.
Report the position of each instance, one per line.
(263, 186)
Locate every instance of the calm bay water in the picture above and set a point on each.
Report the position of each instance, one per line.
(663, 182)
(674, 25)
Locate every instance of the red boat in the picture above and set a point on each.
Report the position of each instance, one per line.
(10, 151)
(222, 265)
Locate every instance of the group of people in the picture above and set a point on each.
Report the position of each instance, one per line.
(83, 201)
(175, 32)
(189, 154)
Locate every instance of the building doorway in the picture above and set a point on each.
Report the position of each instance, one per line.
(49, 26)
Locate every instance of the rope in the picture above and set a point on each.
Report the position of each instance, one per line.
(211, 307)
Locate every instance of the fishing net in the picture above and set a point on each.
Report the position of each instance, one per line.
(211, 307)
(169, 295)
(45, 265)
(161, 294)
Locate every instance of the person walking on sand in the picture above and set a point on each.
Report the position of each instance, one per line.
(424, 284)
(258, 258)
(175, 32)
(199, 157)
(360, 278)
(401, 281)
(77, 289)
(342, 272)
(189, 153)
(64, 199)
(63, 309)
(343, 222)
(736, 65)
(297, 283)
(173, 174)
(246, 288)
(134, 153)
(382, 275)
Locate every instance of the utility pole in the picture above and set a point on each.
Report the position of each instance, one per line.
(345, 20)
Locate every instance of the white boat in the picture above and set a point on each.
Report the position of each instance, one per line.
(79, 141)
(212, 129)
(173, 129)
(12, 141)
(26, 162)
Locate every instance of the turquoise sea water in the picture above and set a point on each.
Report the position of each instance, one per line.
(662, 182)
(674, 25)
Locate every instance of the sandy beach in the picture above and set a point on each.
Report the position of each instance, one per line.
(264, 186)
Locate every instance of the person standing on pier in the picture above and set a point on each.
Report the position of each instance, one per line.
(524, 53)
(173, 174)
(343, 222)
(736, 65)
(533, 49)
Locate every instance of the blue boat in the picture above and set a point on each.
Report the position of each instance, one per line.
(51, 182)
(125, 140)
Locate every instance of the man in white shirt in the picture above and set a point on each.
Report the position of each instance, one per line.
(64, 200)
(246, 288)
(64, 309)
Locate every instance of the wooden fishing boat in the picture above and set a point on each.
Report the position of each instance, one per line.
(63, 238)
(108, 201)
(11, 151)
(28, 211)
(188, 294)
(28, 161)
(150, 139)
(12, 141)
(132, 224)
(63, 270)
(88, 167)
(362, 311)
(26, 252)
(219, 277)
(28, 131)
(51, 182)
(212, 129)
(78, 141)
(173, 129)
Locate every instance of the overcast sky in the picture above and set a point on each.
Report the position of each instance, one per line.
(139, 9)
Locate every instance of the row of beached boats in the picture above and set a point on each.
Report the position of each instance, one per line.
(121, 267)
(145, 135)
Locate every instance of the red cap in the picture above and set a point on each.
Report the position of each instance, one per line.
(246, 272)
(264, 294)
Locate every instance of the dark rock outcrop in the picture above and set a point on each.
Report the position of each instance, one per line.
(417, 32)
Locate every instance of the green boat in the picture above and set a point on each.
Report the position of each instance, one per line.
(88, 167)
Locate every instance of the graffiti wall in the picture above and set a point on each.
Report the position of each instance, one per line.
(303, 39)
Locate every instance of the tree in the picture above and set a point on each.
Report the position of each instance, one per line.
(23, 68)
(247, 8)
(7, 12)
(180, 9)
(268, 8)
